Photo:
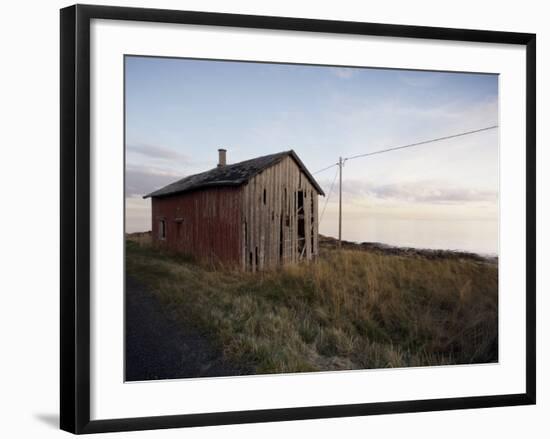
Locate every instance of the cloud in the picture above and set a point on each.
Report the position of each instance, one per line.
(426, 193)
(422, 192)
(141, 180)
(342, 72)
(156, 152)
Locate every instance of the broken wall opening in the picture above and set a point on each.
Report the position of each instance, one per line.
(301, 224)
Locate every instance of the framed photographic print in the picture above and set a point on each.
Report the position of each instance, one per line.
(273, 218)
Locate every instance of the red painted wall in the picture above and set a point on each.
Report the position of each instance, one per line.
(210, 227)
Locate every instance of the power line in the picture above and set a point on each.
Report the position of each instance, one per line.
(328, 196)
(395, 148)
(410, 145)
(341, 162)
(324, 169)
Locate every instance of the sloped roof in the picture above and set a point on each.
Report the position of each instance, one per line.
(235, 174)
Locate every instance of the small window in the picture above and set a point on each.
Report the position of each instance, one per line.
(162, 229)
(265, 196)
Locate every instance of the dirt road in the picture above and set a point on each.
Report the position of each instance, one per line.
(159, 347)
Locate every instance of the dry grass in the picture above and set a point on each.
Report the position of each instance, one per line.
(351, 309)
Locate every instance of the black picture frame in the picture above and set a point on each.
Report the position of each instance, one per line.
(75, 217)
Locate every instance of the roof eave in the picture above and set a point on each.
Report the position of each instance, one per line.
(193, 189)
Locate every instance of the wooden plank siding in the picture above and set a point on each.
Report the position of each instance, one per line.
(205, 224)
(270, 212)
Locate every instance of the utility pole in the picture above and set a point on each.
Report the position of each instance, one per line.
(340, 165)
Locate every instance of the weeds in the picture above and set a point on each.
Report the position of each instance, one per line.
(351, 309)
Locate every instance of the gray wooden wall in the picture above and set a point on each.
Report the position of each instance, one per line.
(263, 213)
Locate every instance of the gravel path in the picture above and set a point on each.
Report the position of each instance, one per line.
(158, 347)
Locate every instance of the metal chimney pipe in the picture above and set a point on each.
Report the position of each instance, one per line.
(221, 157)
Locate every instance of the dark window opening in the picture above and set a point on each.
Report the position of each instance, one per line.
(300, 207)
(301, 224)
(265, 196)
(162, 229)
(312, 214)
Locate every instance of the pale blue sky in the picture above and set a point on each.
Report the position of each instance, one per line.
(179, 112)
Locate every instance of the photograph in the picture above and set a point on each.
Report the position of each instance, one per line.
(289, 218)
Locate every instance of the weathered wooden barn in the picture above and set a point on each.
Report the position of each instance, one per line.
(256, 214)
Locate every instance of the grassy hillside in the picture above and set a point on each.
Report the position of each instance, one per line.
(351, 309)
